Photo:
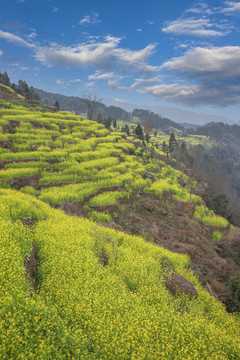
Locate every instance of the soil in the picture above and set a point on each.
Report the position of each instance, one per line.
(77, 207)
(19, 182)
(171, 224)
(31, 270)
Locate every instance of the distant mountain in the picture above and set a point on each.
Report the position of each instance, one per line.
(175, 114)
(76, 104)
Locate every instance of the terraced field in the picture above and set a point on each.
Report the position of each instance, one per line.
(71, 289)
(160, 137)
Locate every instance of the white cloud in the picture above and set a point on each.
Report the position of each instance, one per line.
(114, 85)
(60, 82)
(75, 81)
(15, 39)
(104, 55)
(200, 8)
(103, 76)
(32, 35)
(169, 92)
(1, 52)
(216, 63)
(194, 27)
(90, 84)
(150, 22)
(139, 30)
(55, 9)
(90, 19)
(231, 7)
(139, 82)
(67, 83)
(213, 75)
(120, 100)
(195, 95)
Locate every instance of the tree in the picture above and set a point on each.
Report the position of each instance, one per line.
(23, 89)
(99, 119)
(139, 132)
(147, 137)
(165, 148)
(57, 105)
(172, 143)
(4, 79)
(126, 129)
(108, 123)
(148, 127)
(114, 123)
(92, 103)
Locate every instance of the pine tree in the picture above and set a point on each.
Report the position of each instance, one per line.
(99, 119)
(126, 129)
(139, 131)
(172, 143)
(5, 79)
(57, 105)
(114, 123)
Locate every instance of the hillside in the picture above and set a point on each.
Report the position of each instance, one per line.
(106, 251)
(77, 104)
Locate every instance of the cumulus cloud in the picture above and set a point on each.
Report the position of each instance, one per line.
(139, 82)
(216, 63)
(90, 19)
(213, 75)
(231, 7)
(195, 27)
(15, 39)
(195, 95)
(104, 55)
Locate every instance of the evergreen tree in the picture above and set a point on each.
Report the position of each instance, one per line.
(126, 129)
(139, 131)
(99, 119)
(108, 123)
(147, 137)
(57, 105)
(114, 123)
(4, 79)
(172, 143)
(165, 147)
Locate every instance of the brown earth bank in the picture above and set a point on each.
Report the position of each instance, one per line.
(171, 224)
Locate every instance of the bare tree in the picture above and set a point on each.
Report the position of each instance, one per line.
(92, 102)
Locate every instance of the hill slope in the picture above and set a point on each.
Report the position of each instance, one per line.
(73, 289)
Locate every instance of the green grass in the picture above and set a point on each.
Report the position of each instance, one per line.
(107, 198)
(209, 218)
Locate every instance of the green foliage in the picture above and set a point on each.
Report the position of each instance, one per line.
(101, 294)
(100, 216)
(216, 235)
(107, 198)
(233, 300)
(208, 217)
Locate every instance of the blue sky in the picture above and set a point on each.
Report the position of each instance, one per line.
(184, 54)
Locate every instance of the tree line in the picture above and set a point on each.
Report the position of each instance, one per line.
(21, 87)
